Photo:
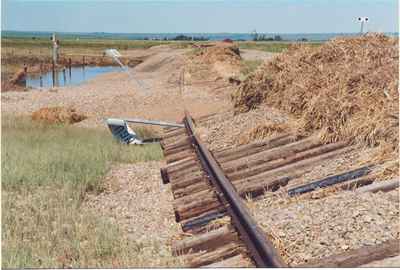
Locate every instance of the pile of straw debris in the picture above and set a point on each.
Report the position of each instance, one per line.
(222, 58)
(58, 115)
(347, 89)
(220, 52)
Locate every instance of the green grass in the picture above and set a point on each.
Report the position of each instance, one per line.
(271, 46)
(46, 172)
(249, 66)
(92, 44)
(38, 154)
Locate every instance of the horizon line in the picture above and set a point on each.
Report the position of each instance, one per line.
(94, 32)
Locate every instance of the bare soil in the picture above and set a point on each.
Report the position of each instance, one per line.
(156, 96)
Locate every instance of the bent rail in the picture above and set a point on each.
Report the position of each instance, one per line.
(261, 249)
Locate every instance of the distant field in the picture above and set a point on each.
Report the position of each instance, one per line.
(18, 51)
(92, 44)
(101, 44)
(272, 46)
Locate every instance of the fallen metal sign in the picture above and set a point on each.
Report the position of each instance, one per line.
(123, 133)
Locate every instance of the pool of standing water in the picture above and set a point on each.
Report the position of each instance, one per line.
(73, 76)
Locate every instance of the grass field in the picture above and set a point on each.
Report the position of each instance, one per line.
(250, 66)
(272, 46)
(101, 44)
(46, 172)
(43, 46)
(17, 51)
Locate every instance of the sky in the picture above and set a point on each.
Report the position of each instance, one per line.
(206, 16)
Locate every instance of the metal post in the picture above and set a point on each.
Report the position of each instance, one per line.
(55, 58)
(64, 77)
(362, 20)
(55, 49)
(41, 72)
(53, 71)
(362, 27)
(25, 72)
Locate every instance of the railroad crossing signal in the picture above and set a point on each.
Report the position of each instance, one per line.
(362, 20)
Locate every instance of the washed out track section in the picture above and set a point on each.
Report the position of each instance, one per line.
(222, 232)
(276, 164)
(262, 166)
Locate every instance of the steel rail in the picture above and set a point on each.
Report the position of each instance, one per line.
(260, 248)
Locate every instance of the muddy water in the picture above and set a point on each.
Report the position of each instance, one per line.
(73, 76)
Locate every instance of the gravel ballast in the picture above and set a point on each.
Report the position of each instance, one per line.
(135, 200)
(313, 229)
(229, 130)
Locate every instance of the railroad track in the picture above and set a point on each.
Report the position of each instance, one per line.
(208, 189)
(239, 242)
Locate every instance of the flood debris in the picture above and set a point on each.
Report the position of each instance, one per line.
(347, 89)
(58, 115)
(265, 130)
(221, 60)
(219, 52)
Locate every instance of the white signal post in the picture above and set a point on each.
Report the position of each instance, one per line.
(362, 20)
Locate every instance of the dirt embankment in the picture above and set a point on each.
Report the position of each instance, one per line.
(347, 89)
(215, 61)
(35, 63)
